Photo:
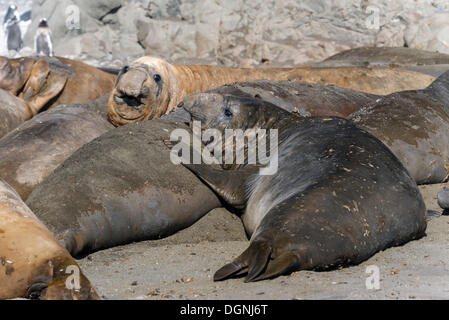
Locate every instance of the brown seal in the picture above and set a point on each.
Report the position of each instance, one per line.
(36, 148)
(385, 56)
(32, 262)
(121, 188)
(14, 73)
(305, 99)
(151, 87)
(338, 194)
(13, 112)
(46, 82)
(415, 126)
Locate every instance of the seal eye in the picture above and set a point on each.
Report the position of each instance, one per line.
(125, 69)
(157, 78)
(228, 113)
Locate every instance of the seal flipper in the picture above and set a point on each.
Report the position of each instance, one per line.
(259, 262)
(221, 181)
(287, 262)
(242, 263)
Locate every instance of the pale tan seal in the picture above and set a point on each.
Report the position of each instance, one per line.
(32, 262)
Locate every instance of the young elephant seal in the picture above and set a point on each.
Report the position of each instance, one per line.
(13, 112)
(415, 126)
(35, 149)
(46, 82)
(32, 262)
(385, 56)
(305, 99)
(120, 188)
(338, 197)
(150, 87)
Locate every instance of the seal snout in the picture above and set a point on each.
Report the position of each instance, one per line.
(130, 88)
(130, 96)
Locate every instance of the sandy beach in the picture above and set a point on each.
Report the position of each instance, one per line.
(182, 267)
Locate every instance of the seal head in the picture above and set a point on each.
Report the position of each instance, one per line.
(142, 92)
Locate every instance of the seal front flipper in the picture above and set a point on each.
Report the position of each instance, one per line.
(228, 184)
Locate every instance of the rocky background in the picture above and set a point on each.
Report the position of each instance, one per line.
(236, 32)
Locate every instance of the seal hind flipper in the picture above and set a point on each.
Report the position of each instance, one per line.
(252, 261)
(53, 87)
(258, 262)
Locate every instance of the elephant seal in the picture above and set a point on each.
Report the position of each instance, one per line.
(33, 264)
(376, 56)
(338, 197)
(36, 148)
(14, 73)
(42, 41)
(120, 188)
(415, 126)
(13, 112)
(149, 87)
(305, 99)
(46, 82)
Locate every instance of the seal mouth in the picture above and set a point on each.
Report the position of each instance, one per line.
(129, 107)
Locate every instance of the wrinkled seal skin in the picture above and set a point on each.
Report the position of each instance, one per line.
(120, 188)
(33, 263)
(415, 126)
(13, 112)
(36, 148)
(149, 87)
(46, 82)
(305, 99)
(14, 73)
(85, 83)
(338, 197)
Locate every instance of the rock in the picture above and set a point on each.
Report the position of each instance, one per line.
(430, 33)
(239, 32)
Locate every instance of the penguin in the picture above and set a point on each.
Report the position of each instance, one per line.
(42, 40)
(13, 34)
(10, 14)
